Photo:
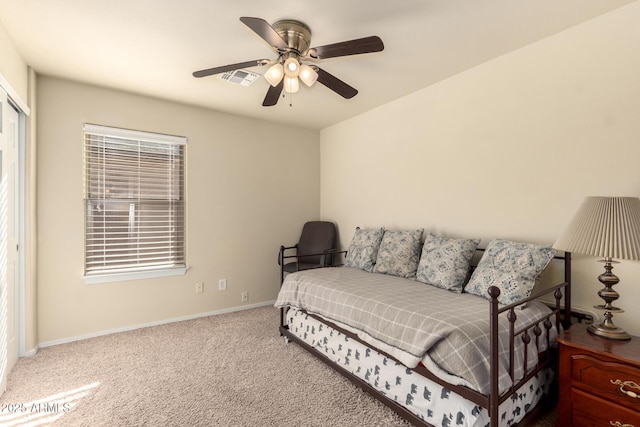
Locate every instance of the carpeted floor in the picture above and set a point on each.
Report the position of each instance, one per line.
(226, 370)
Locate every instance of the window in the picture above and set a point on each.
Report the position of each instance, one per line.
(134, 204)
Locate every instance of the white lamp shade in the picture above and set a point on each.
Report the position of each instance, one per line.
(291, 67)
(607, 227)
(274, 74)
(291, 84)
(308, 75)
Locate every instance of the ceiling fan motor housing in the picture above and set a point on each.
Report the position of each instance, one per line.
(296, 34)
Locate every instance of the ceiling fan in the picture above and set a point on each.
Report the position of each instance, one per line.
(291, 39)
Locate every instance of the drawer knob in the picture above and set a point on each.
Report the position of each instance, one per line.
(628, 384)
(619, 424)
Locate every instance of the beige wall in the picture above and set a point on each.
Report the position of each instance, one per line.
(508, 149)
(12, 66)
(241, 175)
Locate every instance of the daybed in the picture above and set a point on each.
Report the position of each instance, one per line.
(440, 342)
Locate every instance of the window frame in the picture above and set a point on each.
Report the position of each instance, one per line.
(144, 272)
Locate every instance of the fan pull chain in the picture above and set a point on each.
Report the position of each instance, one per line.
(290, 95)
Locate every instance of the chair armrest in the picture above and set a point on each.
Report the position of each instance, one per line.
(333, 253)
(324, 256)
(281, 255)
(323, 259)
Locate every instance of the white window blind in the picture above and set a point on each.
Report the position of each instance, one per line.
(134, 201)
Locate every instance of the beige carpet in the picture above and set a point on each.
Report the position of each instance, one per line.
(226, 370)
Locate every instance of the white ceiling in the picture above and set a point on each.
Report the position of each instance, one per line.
(151, 47)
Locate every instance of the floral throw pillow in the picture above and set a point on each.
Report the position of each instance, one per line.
(445, 262)
(510, 266)
(399, 253)
(363, 249)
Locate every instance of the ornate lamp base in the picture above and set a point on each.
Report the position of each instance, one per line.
(614, 333)
(607, 329)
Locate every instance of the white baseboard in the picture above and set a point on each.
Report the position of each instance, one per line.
(29, 353)
(147, 325)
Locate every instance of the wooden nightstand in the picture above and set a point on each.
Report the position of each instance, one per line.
(599, 380)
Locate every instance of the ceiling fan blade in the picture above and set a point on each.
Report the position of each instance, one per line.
(273, 95)
(266, 31)
(351, 47)
(230, 67)
(335, 84)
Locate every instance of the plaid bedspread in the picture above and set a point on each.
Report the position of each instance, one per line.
(415, 322)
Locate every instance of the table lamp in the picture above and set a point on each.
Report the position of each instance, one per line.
(607, 227)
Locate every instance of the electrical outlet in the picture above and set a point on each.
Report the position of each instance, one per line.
(222, 284)
(199, 287)
(245, 296)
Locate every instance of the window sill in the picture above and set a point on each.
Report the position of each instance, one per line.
(123, 277)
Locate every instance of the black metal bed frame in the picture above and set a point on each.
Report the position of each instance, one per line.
(528, 333)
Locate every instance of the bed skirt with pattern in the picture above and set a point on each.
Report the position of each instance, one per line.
(428, 400)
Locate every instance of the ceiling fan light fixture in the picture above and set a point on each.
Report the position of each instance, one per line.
(308, 75)
(274, 74)
(291, 84)
(292, 67)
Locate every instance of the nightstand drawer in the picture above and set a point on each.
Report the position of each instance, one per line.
(591, 411)
(588, 365)
(613, 381)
